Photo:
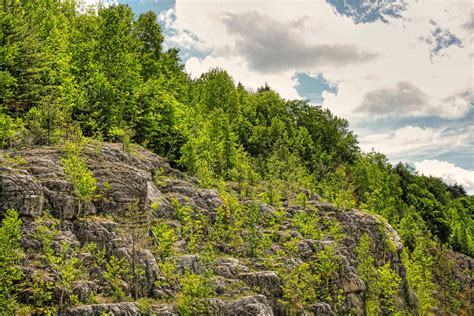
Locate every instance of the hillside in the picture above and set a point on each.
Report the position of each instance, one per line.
(153, 239)
(125, 182)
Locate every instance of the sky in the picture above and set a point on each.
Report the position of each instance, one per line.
(401, 72)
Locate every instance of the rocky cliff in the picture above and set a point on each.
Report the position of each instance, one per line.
(33, 183)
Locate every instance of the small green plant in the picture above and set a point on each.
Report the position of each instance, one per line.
(273, 194)
(158, 177)
(193, 224)
(62, 260)
(169, 273)
(195, 294)
(302, 199)
(116, 272)
(381, 282)
(228, 227)
(7, 130)
(145, 305)
(41, 287)
(308, 225)
(82, 179)
(123, 134)
(165, 237)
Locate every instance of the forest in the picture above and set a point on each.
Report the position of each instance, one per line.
(104, 74)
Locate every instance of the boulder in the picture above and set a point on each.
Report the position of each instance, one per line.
(246, 306)
(267, 282)
(321, 309)
(19, 191)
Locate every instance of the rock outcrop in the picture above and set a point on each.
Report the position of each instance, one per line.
(37, 185)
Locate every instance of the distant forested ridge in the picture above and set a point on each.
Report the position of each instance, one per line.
(105, 75)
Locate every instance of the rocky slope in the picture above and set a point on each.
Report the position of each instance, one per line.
(33, 183)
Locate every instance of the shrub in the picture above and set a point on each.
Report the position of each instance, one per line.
(165, 238)
(195, 294)
(116, 271)
(82, 179)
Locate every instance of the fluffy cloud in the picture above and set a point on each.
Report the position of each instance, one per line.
(270, 46)
(409, 143)
(448, 172)
(403, 98)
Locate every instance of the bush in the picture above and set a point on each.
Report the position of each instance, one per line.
(195, 294)
(165, 238)
(116, 272)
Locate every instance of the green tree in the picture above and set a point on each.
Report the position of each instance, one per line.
(382, 283)
(148, 32)
(419, 265)
(82, 179)
(165, 237)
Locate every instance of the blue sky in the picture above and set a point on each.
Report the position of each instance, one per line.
(400, 71)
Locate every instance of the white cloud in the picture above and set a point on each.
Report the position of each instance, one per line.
(450, 173)
(411, 142)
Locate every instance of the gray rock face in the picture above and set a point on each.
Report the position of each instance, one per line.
(19, 191)
(146, 263)
(246, 306)
(321, 309)
(188, 263)
(103, 233)
(164, 310)
(44, 185)
(267, 281)
(116, 309)
(229, 267)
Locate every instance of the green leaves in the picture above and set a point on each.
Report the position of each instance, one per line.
(382, 283)
(195, 293)
(82, 179)
(117, 271)
(10, 256)
(165, 237)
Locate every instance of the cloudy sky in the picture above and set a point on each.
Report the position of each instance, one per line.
(400, 71)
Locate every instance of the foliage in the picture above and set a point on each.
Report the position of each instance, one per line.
(381, 283)
(10, 255)
(9, 130)
(82, 179)
(62, 260)
(314, 280)
(195, 293)
(419, 265)
(116, 272)
(193, 224)
(308, 225)
(165, 237)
